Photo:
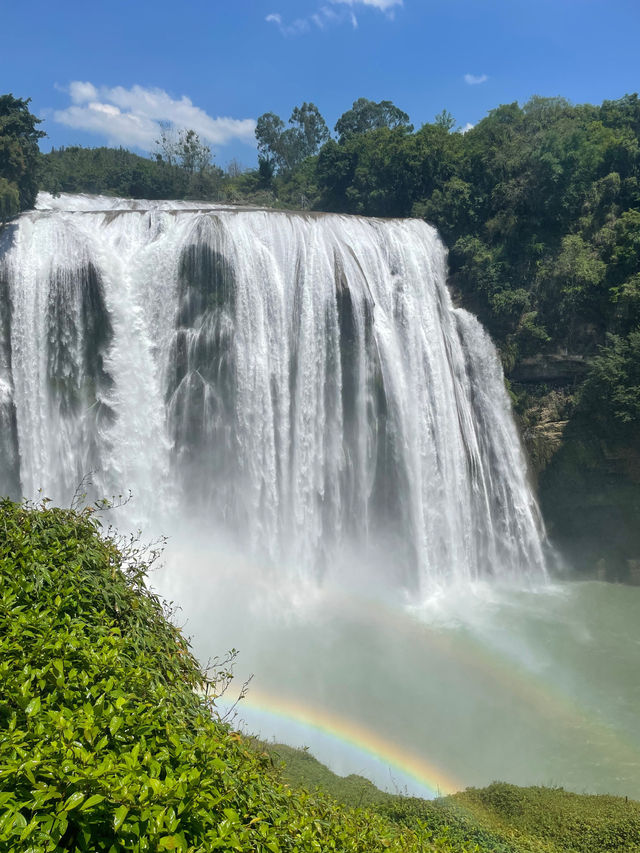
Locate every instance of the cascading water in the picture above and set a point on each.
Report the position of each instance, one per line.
(301, 382)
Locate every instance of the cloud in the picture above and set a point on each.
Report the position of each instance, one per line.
(382, 5)
(468, 126)
(327, 15)
(296, 28)
(475, 79)
(132, 116)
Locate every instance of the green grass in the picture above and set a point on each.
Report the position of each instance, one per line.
(501, 818)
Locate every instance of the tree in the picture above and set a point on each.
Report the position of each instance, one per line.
(183, 151)
(367, 115)
(285, 148)
(309, 130)
(446, 120)
(18, 155)
(269, 130)
(183, 148)
(612, 390)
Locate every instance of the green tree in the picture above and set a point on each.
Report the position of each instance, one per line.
(446, 120)
(184, 151)
(612, 390)
(182, 148)
(283, 149)
(367, 115)
(19, 154)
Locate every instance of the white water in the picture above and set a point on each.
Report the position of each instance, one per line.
(299, 384)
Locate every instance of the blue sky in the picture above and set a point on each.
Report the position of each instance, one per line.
(108, 72)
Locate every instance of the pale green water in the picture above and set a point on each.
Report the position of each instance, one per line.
(530, 687)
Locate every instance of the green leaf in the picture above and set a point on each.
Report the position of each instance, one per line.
(93, 800)
(119, 816)
(33, 707)
(74, 801)
(19, 821)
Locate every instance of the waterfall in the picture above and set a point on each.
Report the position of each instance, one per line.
(300, 381)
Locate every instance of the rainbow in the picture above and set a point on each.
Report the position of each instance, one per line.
(355, 735)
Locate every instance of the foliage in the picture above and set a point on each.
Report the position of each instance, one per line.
(18, 156)
(613, 384)
(107, 738)
(115, 171)
(501, 818)
(367, 115)
(184, 152)
(286, 148)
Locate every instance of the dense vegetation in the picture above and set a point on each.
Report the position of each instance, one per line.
(107, 738)
(19, 154)
(501, 818)
(181, 168)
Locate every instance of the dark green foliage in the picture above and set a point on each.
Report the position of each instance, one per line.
(115, 171)
(367, 115)
(107, 742)
(613, 384)
(18, 156)
(539, 205)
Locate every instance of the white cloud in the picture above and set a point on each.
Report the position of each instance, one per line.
(468, 126)
(81, 92)
(475, 79)
(132, 116)
(327, 15)
(383, 5)
(295, 28)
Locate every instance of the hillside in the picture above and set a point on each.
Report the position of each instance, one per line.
(501, 818)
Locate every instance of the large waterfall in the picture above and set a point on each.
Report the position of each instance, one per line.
(301, 382)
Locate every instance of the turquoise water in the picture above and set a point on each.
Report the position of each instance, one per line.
(537, 686)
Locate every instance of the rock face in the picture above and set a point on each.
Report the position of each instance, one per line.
(588, 487)
(556, 369)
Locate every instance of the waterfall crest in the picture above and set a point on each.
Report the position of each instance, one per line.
(302, 381)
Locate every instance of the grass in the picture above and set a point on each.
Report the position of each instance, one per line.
(501, 818)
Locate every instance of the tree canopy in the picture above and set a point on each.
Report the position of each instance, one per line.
(367, 115)
(18, 156)
(285, 148)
